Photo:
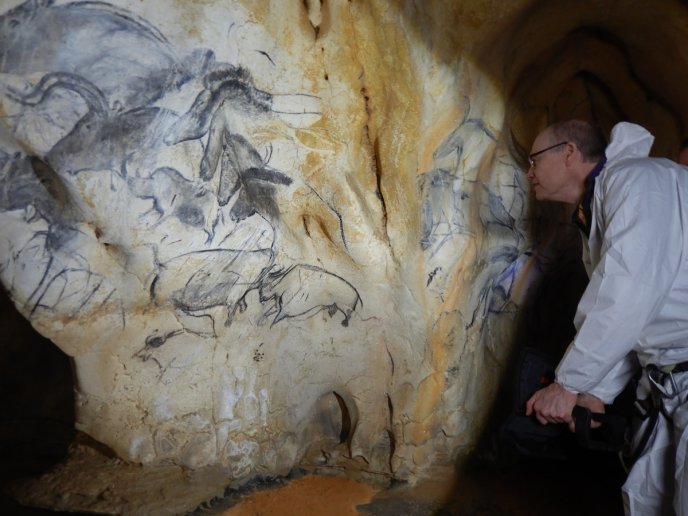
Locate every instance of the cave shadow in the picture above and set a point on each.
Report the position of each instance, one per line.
(496, 478)
(36, 404)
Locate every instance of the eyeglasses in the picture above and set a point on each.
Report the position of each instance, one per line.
(531, 161)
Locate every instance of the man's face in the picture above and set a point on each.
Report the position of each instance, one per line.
(547, 173)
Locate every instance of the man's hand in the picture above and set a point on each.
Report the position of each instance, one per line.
(553, 404)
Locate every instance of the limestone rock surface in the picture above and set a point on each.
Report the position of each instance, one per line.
(271, 233)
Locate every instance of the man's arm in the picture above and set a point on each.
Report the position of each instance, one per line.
(639, 260)
(615, 380)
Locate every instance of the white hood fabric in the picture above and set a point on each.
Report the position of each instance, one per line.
(629, 141)
(637, 298)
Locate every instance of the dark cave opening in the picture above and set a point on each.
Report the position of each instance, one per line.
(37, 400)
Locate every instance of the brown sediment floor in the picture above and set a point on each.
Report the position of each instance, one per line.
(588, 485)
(307, 496)
(90, 482)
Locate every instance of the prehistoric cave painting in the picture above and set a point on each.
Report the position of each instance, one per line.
(296, 293)
(225, 285)
(177, 202)
(455, 142)
(225, 90)
(455, 189)
(302, 291)
(173, 195)
(446, 188)
(220, 277)
(246, 175)
(241, 167)
(120, 124)
(28, 184)
(153, 342)
(75, 288)
(442, 212)
(499, 214)
(103, 139)
(498, 282)
(90, 79)
(58, 285)
(120, 53)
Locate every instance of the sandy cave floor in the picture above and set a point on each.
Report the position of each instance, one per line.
(588, 485)
(530, 488)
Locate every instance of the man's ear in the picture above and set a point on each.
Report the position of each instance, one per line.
(571, 153)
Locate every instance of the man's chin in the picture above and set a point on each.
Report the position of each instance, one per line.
(540, 194)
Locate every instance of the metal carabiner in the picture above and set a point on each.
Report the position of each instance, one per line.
(658, 378)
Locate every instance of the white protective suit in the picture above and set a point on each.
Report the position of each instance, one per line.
(637, 300)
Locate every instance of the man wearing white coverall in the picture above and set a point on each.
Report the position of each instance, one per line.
(635, 210)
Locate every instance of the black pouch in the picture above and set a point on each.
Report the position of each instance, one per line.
(527, 437)
(523, 433)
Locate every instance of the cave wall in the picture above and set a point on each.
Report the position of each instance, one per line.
(271, 233)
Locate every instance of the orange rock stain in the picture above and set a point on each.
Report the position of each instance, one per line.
(307, 496)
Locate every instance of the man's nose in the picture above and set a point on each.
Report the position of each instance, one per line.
(530, 174)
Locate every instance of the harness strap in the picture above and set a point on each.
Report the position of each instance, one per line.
(681, 367)
(651, 408)
(647, 410)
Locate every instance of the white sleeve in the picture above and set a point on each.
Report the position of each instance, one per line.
(615, 380)
(641, 250)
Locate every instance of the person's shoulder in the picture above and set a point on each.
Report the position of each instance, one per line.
(623, 169)
(641, 173)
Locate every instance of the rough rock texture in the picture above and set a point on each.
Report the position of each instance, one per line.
(282, 232)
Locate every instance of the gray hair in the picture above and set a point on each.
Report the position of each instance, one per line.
(588, 138)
